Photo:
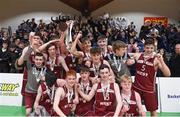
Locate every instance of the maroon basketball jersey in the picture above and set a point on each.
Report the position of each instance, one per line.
(87, 56)
(45, 100)
(145, 77)
(71, 61)
(133, 109)
(65, 105)
(84, 106)
(94, 71)
(105, 100)
(57, 69)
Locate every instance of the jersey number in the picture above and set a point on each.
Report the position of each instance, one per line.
(143, 68)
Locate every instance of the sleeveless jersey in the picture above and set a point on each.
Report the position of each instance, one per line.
(145, 77)
(87, 56)
(93, 70)
(105, 104)
(132, 106)
(64, 105)
(45, 100)
(84, 106)
(58, 69)
(71, 61)
(106, 54)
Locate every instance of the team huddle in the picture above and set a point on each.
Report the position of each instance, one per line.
(104, 86)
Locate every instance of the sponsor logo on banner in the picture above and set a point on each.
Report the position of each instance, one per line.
(173, 96)
(10, 89)
(169, 94)
(163, 20)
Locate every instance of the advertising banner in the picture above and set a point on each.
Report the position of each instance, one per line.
(163, 20)
(169, 94)
(10, 89)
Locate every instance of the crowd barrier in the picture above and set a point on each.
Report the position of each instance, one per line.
(168, 91)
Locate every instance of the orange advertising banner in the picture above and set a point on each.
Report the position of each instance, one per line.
(163, 20)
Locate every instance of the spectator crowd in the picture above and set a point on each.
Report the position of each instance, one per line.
(113, 29)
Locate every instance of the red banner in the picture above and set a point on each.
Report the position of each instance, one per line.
(163, 20)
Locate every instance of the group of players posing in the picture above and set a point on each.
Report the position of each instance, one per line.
(104, 87)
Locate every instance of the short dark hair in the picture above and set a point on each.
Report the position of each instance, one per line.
(50, 78)
(52, 37)
(103, 66)
(48, 46)
(95, 50)
(149, 41)
(84, 68)
(101, 37)
(12, 45)
(39, 54)
(38, 34)
(6, 41)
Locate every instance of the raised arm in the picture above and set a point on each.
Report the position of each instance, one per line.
(63, 63)
(162, 66)
(42, 47)
(61, 44)
(20, 61)
(73, 48)
(80, 44)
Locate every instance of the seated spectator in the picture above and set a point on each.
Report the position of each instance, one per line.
(14, 55)
(131, 46)
(4, 57)
(174, 62)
